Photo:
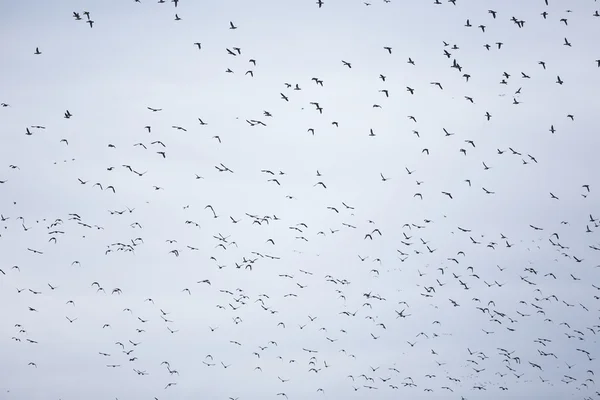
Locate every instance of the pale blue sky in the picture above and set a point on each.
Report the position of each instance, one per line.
(138, 56)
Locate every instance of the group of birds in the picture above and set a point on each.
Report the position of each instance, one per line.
(356, 263)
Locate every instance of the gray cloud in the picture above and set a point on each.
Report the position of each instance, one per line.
(137, 56)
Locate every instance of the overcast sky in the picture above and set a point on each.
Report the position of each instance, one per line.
(490, 291)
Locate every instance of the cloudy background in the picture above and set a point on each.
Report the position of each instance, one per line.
(137, 56)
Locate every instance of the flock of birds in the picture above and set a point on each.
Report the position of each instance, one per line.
(269, 282)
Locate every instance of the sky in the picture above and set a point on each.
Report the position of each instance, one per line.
(264, 252)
